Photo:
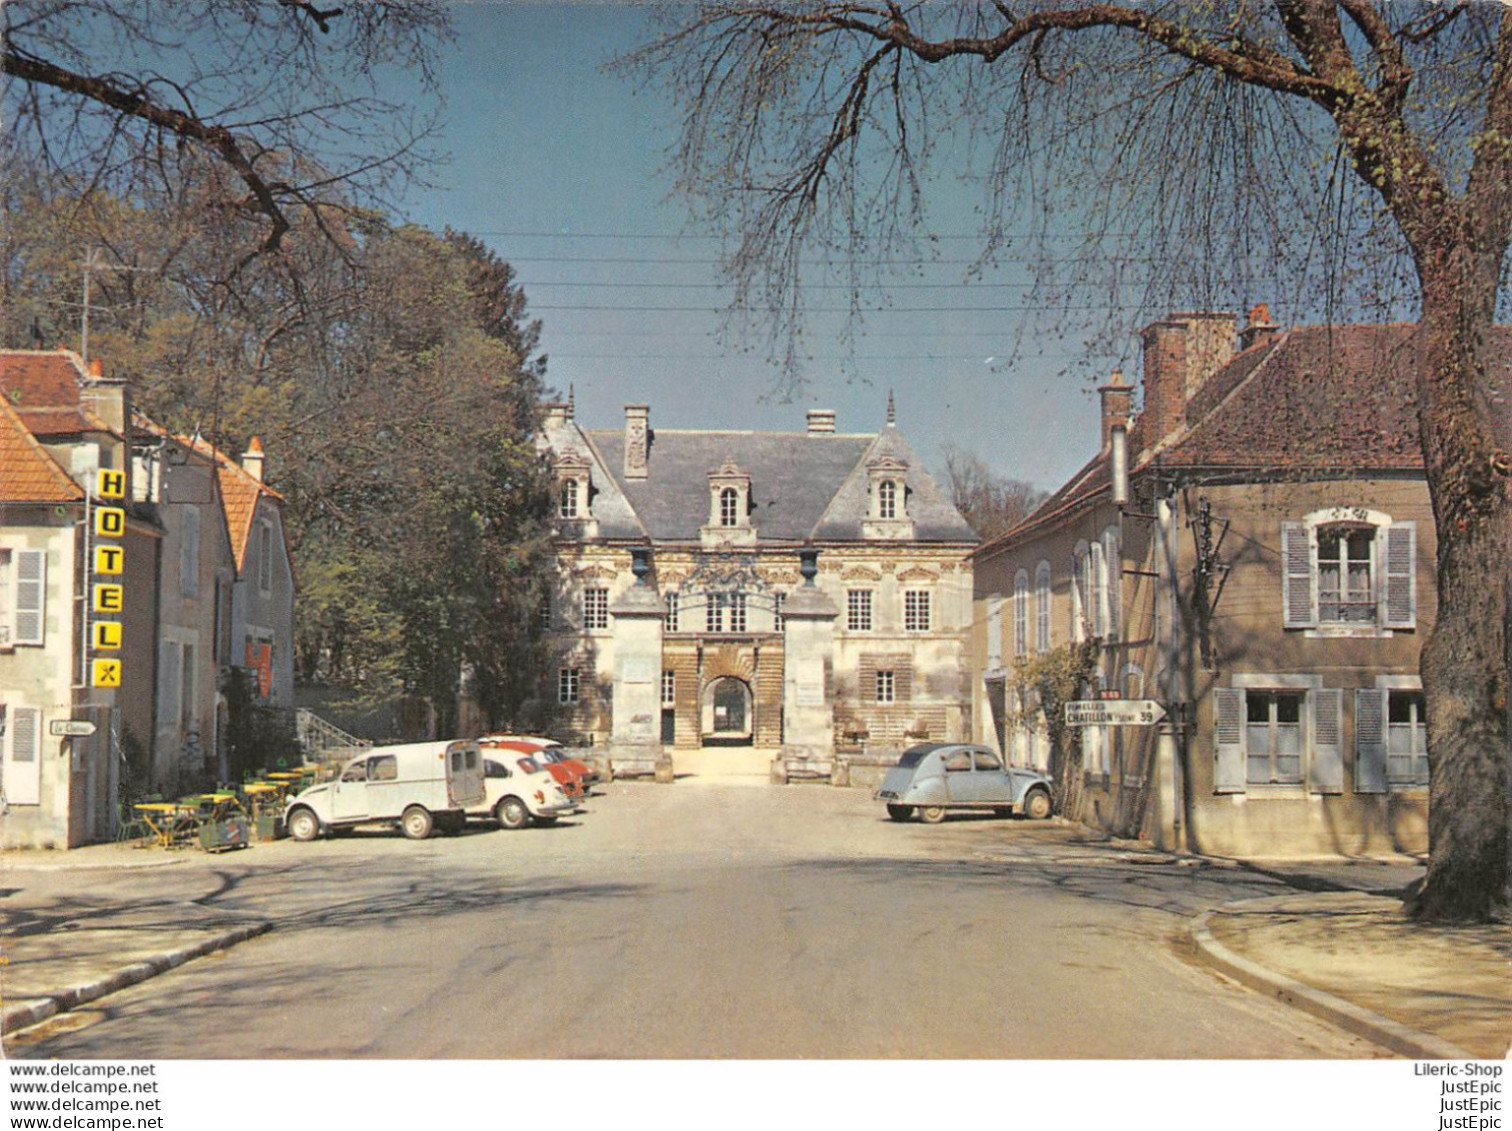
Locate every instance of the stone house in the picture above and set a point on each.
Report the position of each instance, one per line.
(1267, 576)
(137, 572)
(762, 589)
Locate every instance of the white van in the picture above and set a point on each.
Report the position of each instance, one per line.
(418, 787)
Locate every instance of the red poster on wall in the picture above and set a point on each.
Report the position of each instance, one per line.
(260, 660)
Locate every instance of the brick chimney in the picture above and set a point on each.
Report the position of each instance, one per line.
(821, 420)
(1258, 330)
(1116, 397)
(252, 459)
(1181, 352)
(637, 441)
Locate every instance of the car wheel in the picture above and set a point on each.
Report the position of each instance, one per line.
(932, 814)
(900, 812)
(512, 814)
(1037, 805)
(303, 825)
(417, 823)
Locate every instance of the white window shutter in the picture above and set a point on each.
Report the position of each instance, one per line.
(1325, 773)
(1228, 740)
(23, 761)
(31, 597)
(1399, 593)
(1370, 740)
(1299, 581)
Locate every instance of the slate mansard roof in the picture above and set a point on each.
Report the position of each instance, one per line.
(804, 485)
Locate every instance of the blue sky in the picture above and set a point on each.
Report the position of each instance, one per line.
(559, 166)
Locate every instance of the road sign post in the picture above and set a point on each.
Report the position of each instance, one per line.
(70, 728)
(1113, 712)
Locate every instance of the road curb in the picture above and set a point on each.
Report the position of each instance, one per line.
(40, 1009)
(1335, 1010)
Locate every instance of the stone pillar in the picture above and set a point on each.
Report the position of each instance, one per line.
(808, 706)
(635, 734)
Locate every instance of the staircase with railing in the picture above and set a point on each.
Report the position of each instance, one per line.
(324, 741)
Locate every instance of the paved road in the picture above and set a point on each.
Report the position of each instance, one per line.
(701, 920)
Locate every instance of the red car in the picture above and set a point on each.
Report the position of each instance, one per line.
(550, 750)
(568, 772)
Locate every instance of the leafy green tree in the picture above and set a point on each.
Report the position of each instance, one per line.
(1362, 145)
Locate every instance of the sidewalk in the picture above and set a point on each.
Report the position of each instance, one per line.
(1340, 948)
(1336, 945)
(54, 962)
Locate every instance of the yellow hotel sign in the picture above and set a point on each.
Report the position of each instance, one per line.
(109, 559)
(107, 635)
(110, 522)
(107, 673)
(109, 598)
(110, 484)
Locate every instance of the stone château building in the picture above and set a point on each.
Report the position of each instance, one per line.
(765, 589)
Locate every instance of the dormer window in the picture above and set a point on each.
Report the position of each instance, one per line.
(729, 507)
(575, 493)
(887, 510)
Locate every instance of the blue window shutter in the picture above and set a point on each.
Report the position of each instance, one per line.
(1228, 740)
(1325, 772)
(1399, 593)
(1299, 581)
(1370, 740)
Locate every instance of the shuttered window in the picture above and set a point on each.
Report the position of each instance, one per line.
(27, 598)
(189, 553)
(1042, 607)
(1340, 575)
(23, 757)
(1021, 613)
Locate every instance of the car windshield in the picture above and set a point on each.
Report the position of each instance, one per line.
(916, 754)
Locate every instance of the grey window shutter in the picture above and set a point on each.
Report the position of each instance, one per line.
(1228, 740)
(23, 781)
(1370, 740)
(31, 597)
(1299, 582)
(1399, 593)
(1326, 769)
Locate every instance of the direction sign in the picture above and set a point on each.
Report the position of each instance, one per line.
(70, 728)
(1113, 712)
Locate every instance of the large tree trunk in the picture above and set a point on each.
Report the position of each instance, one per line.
(1465, 661)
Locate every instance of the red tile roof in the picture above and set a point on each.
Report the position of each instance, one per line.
(240, 493)
(1315, 398)
(27, 473)
(41, 378)
(43, 386)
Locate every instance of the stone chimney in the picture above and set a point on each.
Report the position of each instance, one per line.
(252, 459)
(1259, 330)
(637, 440)
(104, 396)
(1181, 352)
(821, 421)
(1116, 396)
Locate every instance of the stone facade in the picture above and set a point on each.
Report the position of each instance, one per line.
(1269, 582)
(801, 586)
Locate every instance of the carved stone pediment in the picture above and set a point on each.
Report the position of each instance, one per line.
(861, 573)
(914, 573)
